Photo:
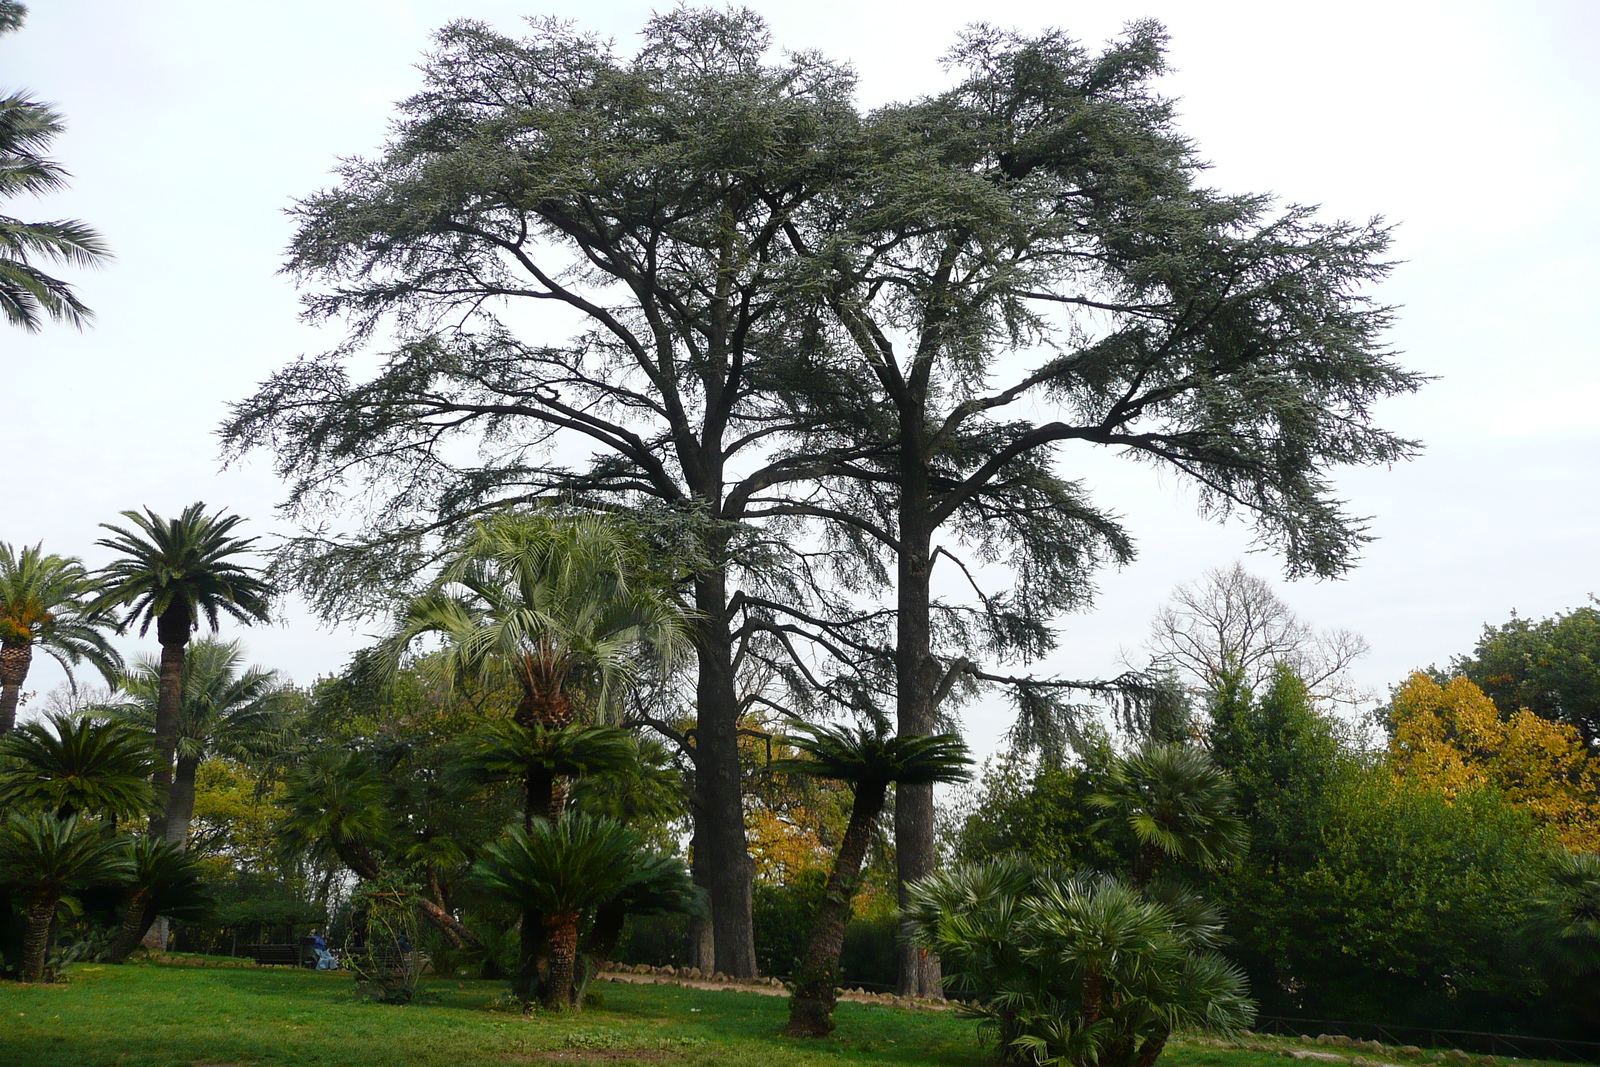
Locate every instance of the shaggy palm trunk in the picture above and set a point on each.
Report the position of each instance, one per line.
(15, 659)
(172, 630)
(1153, 1046)
(36, 942)
(561, 934)
(815, 988)
(135, 924)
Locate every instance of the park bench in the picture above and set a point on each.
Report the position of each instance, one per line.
(273, 955)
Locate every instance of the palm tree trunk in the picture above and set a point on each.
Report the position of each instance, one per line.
(135, 923)
(532, 951)
(457, 934)
(180, 811)
(36, 942)
(15, 659)
(562, 935)
(1153, 1046)
(169, 698)
(811, 1006)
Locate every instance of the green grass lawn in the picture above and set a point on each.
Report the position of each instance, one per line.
(142, 1015)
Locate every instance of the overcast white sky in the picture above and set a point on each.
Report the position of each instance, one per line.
(1472, 125)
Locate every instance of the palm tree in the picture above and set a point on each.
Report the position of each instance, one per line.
(44, 858)
(175, 572)
(44, 603)
(1563, 928)
(337, 802)
(27, 294)
(563, 605)
(165, 882)
(870, 760)
(1076, 969)
(224, 710)
(560, 870)
(1177, 803)
(76, 766)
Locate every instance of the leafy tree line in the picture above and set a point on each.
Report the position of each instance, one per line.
(1443, 877)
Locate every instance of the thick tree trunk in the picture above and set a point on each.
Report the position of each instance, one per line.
(36, 942)
(180, 808)
(702, 939)
(174, 635)
(815, 988)
(916, 678)
(455, 933)
(562, 936)
(533, 952)
(728, 867)
(15, 659)
(135, 924)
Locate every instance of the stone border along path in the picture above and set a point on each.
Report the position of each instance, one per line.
(691, 978)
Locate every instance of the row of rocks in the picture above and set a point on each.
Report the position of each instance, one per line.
(691, 974)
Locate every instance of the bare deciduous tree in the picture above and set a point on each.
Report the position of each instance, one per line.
(1233, 617)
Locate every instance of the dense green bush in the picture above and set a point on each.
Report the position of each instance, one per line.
(1078, 969)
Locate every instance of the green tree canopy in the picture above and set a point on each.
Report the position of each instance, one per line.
(1550, 666)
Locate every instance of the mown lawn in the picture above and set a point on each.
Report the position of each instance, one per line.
(144, 1015)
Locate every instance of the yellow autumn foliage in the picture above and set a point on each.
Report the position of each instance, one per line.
(1453, 737)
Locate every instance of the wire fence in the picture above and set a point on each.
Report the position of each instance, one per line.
(1519, 1045)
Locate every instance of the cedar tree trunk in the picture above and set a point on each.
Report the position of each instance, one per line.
(916, 678)
(720, 827)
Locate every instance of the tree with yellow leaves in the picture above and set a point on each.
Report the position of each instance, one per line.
(1455, 738)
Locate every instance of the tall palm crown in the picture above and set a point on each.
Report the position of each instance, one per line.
(27, 294)
(45, 603)
(75, 766)
(564, 605)
(175, 572)
(872, 758)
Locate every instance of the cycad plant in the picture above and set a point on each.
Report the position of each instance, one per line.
(164, 880)
(45, 604)
(27, 294)
(225, 709)
(870, 760)
(1563, 930)
(43, 858)
(75, 765)
(562, 871)
(1077, 969)
(175, 573)
(541, 758)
